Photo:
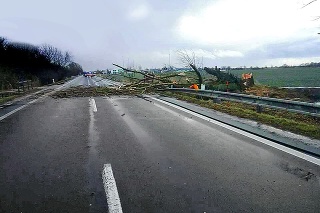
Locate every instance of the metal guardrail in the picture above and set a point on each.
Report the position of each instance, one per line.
(259, 102)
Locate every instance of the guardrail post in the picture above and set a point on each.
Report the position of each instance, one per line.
(202, 87)
(258, 108)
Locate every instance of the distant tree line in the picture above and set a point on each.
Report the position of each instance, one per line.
(23, 61)
(311, 64)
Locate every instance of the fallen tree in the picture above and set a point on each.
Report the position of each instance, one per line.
(150, 80)
(148, 84)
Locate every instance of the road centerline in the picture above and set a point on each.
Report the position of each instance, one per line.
(93, 105)
(111, 190)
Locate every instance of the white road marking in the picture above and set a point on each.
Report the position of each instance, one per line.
(20, 108)
(247, 134)
(12, 112)
(59, 88)
(111, 190)
(35, 100)
(93, 105)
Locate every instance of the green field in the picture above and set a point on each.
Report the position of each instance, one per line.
(284, 77)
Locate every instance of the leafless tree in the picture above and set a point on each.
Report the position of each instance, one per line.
(56, 56)
(67, 58)
(189, 60)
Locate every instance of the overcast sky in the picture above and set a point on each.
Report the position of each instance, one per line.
(145, 32)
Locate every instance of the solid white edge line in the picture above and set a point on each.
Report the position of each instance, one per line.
(33, 101)
(20, 108)
(247, 134)
(93, 104)
(13, 111)
(111, 190)
(66, 83)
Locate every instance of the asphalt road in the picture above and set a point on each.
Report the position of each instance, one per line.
(93, 81)
(53, 151)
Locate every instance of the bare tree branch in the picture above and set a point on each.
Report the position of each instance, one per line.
(54, 55)
(147, 75)
(190, 61)
(317, 18)
(309, 3)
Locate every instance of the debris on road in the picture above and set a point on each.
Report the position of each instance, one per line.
(148, 85)
(97, 91)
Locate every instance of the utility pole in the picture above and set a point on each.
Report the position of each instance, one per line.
(169, 59)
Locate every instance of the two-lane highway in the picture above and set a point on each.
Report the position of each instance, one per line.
(52, 155)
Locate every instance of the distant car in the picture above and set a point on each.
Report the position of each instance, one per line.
(88, 74)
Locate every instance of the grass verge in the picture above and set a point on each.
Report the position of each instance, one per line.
(7, 99)
(297, 123)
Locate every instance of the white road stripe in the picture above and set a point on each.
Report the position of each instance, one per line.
(111, 190)
(12, 112)
(247, 134)
(93, 105)
(66, 84)
(20, 108)
(33, 101)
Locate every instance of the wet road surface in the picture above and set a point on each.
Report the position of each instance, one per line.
(93, 81)
(52, 155)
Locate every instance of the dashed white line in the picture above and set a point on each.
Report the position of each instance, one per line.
(111, 190)
(247, 134)
(93, 105)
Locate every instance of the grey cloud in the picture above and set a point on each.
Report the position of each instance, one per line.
(101, 32)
